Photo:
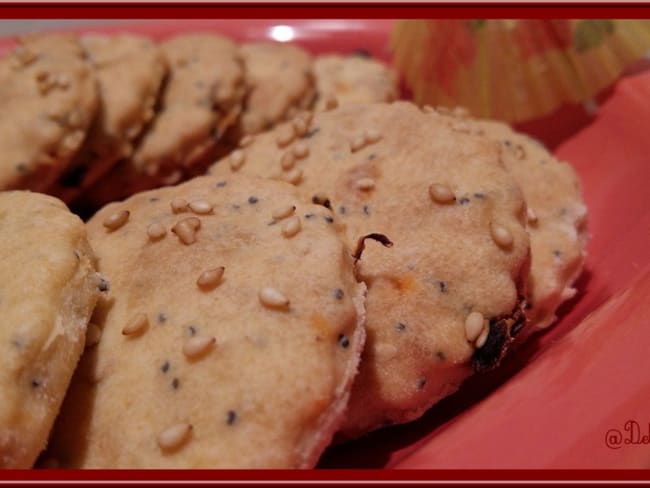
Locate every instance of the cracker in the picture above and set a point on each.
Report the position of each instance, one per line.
(130, 71)
(557, 218)
(48, 288)
(261, 382)
(279, 81)
(201, 99)
(353, 79)
(375, 165)
(48, 98)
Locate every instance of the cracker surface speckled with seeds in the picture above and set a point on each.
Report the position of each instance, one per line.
(129, 71)
(201, 98)
(48, 98)
(279, 81)
(557, 218)
(230, 337)
(48, 289)
(446, 297)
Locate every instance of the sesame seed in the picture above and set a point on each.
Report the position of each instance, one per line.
(186, 230)
(288, 161)
(291, 227)
(371, 136)
(299, 126)
(441, 193)
(210, 278)
(237, 159)
(357, 142)
(193, 222)
(156, 231)
(253, 200)
(460, 127)
(300, 150)
(176, 383)
(272, 298)
(246, 140)
(294, 176)
(338, 294)
(501, 235)
(174, 436)
(480, 342)
(474, 325)
(116, 220)
(366, 184)
(201, 207)
(93, 335)
(283, 212)
(179, 205)
(165, 367)
(197, 346)
(136, 325)
(531, 216)
(285, 136)
(331, 103)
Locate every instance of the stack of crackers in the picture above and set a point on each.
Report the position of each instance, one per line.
(299, 259)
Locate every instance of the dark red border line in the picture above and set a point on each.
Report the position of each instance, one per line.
(328, 475)
(320, 10)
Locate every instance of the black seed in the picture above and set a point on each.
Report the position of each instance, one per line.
(21, 167)
(362, 53)
(36, 383)
(343, 340)
(366, 209)
(507, 142)
(309, 216)
(221, 184)
(154, 199)
(319, 200)
(74, 176)
(165, 367)
(443, 286)
(235, 206)
(401, 326)
(440, 355)
(421, 383)
(329, 219)
(515, 329)
(371, 156)
(463, 200)
(480, 196)
(310, 133)
(104, 285)
(338, 294)
(342, 210)
(557, 254)
(162, 318)
(253, 200)
(192, 330)
(232, 417)
(176, 383)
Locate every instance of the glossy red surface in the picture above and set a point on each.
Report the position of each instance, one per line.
(566, 397)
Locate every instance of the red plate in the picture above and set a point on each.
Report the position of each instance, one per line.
(578, 396)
